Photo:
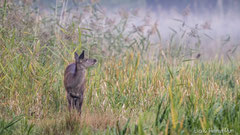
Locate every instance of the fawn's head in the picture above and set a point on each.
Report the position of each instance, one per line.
(82, 62)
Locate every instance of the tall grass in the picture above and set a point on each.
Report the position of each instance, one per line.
(128, 92)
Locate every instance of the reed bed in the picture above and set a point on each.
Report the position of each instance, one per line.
(137, 87)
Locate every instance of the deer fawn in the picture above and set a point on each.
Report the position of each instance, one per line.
(74, 80)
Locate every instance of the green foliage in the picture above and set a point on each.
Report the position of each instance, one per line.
(127, 92)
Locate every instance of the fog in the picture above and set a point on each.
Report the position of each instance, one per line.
(214, 22)
(216, 19)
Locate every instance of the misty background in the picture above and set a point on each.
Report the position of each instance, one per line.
(213, 22)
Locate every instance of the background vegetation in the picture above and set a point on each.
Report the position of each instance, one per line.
(139, 86)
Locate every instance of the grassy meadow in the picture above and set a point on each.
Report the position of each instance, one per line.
(137, 86)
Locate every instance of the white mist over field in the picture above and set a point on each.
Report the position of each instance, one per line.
(217, 32)
(213, 25)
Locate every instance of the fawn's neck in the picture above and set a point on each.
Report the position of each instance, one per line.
(80, 74)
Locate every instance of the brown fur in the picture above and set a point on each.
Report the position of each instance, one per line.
(75, 80)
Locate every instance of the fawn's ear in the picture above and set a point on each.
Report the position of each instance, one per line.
(76, 56)
(82, 55)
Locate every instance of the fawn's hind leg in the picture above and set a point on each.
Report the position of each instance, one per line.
(70, 102)
(75, 101)
(79, 103)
